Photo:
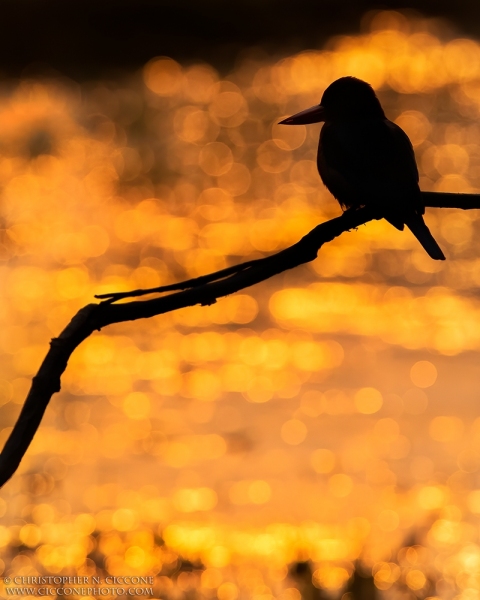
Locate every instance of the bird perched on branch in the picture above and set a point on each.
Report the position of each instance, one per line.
(366, 160)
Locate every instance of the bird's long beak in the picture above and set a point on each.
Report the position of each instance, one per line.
(315, 114)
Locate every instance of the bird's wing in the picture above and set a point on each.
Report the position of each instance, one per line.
(373, 160)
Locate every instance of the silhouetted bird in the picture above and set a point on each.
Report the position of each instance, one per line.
(366, 160)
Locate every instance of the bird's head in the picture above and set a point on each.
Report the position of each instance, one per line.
(346, 99)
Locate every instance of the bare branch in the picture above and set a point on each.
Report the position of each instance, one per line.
(451, 200)
(203, 290)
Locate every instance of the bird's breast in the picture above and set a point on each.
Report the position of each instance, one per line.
(335, 181)
(369, 162)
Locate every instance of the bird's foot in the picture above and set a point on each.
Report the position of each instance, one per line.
(374, 212)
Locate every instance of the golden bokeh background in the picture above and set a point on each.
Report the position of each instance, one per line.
(327, 415)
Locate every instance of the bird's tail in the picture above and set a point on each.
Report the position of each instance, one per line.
(417, 226)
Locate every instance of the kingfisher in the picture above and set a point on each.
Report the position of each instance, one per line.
(366, 160)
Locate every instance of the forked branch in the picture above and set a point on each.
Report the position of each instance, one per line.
(203, 290)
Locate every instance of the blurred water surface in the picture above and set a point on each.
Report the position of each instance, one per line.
(327, 415)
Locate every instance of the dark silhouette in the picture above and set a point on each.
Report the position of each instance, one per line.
(366, 160)
(302, 574)
(361, 585)
(202, 290)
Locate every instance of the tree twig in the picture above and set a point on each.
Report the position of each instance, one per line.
(203, 290)
(451, 200)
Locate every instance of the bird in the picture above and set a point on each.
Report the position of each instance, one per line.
(366, 160)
